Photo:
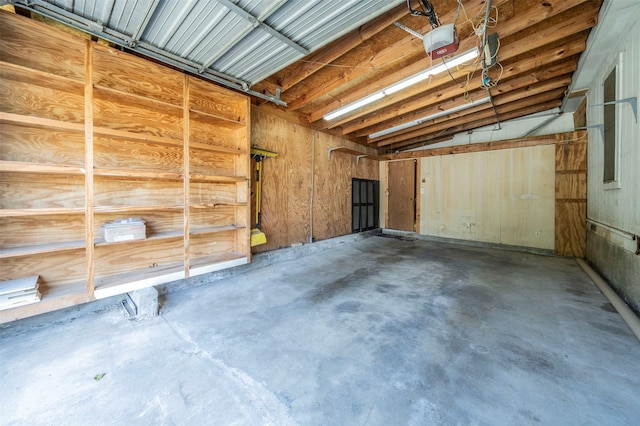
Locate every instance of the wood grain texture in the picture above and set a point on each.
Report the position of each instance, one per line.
(202, 245)
(571, 231)
(117, 258)
(202, 132)
(32, 191)
(212, 193)
(571, 194)
(126, 113)
(212, 163)
(122, 192)
(38, 145)
(204, 218)
(54, 53)
(129, 74)
(401, 190)
(31, 95)
(156, 222)
(216, 100)
(33, 230)
(134, 154)
(55, 269)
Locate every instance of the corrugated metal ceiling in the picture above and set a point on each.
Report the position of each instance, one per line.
(234, 42)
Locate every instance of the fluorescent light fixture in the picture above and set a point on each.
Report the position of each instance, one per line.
(403, 84)
(428, 117)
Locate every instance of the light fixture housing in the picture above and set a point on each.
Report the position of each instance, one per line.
(428, 117)
(467, 56)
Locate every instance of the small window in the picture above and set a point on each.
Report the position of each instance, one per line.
(610, 154)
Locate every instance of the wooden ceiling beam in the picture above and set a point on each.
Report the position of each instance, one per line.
(510, 115)
(505, 28)
(480, 112)
(317, 60)
(454, 96)
(549, 35)
(390, 54)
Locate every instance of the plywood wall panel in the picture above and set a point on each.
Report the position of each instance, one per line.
(139, 155)
(39, 145)
(55, 53)
(55, 269)
(571, 236)
(125, 113)
(32, 191)
(208, 98)
(129, 74)
(32, 230)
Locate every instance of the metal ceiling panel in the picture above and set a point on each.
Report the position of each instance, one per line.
(236, 40)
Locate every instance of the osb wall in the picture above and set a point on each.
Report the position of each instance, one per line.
(287, 181)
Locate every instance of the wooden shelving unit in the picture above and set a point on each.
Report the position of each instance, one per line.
(102, 136)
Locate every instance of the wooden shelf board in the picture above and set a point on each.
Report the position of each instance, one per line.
(53, 298)
(126, 209)
(228, 121)
(40, 168)
(214, 205)
(205, 265)
(159, 236)
(45, 76)
(208, 147)
(6, 117)
(130, 281)
(104, 131)
(195, 177)
(215, 229)
(41, 212)
(141, 98)
(41, 248)
(137, 173)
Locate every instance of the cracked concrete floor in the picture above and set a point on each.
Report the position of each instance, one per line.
(381, 331)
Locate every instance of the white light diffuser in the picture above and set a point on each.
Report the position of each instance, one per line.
(403, 84)
(428, 117)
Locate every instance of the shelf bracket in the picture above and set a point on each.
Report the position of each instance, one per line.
(330, 151)
(594, 126)
(358, 157)
(631, 101)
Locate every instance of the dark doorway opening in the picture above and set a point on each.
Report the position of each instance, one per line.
(365, 204)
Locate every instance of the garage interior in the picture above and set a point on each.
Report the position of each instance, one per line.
(281, 212)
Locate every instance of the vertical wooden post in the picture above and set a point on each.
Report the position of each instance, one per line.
(88, 163)
(186, 173)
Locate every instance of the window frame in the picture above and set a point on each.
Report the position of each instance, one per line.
(616, 67)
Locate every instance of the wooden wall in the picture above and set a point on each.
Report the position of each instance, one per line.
(571, 195)
(287, 181)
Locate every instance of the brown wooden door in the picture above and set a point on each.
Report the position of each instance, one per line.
(401, 205)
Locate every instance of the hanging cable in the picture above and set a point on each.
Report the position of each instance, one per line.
(429, 12)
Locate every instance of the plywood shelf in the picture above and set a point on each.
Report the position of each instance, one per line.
(27, 120)
(41, 212)
(106, 286)
(194, 177)
(41, 248)
(53, 298)
(40, 168)
(205, 264)
(221, 149)
(105, 131)
(215, 229)
(45, 76)
(137, 173)
(214, 205)
(128, 209)
(162, 104)
(217, 120)
(99, 242)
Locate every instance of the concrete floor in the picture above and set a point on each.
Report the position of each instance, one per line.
(383, 331)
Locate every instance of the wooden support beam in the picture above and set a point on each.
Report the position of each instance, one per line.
(505, 28)
(533, 104)
(454, 96)
(555, 86)
(552, 34)
(476, 147)
(389, 55)
(300, 70)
